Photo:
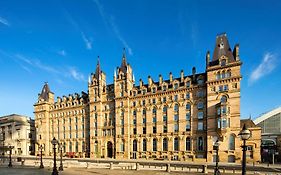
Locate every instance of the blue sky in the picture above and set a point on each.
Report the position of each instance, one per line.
(59, 41)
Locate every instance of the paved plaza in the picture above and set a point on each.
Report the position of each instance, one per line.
(19, 170)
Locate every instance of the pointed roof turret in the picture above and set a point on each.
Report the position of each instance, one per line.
(124, 61)
(98, 69)
(222, 47)
(45, 92)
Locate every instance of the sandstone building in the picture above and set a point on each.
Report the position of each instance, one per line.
(19, 132)
(176, 119)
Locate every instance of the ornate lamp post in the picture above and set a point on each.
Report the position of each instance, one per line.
(244, 134)
(61, 165)
(41, 156)
(55, 171)
(10, 156)
(216, 147)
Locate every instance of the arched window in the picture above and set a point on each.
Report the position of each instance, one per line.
(144, 145)
(122, 146)
(176, 144)
(200, 144)
(135, 145)
(134, 112)
(223, 62)
(231, 142)
(223, 75)
(165, 144)
(200, 105)
(223, 99)
(228, 74)
(96, 147)
(122, 113)
(218, 76)
(176, 108)
(187, 144)
(154, 145)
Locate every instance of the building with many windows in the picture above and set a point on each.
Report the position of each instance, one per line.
(18, 132)
(176, 119)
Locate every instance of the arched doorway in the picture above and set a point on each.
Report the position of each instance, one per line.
(109, 149)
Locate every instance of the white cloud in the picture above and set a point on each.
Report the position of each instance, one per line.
(62, 53)
(267, 65)
(75, 74)
(35, 63)
(4, 21)
(109, 20)
(87, 41)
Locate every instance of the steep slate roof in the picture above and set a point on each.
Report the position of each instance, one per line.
(248, 122)
(45, 92)
(222, 47)
(123, 67)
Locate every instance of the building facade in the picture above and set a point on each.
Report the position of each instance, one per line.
(270, 122)
(19, 132)
(176, 119)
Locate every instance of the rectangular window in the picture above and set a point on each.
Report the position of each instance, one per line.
(200, 126)
(220, 88)
(176, 118)
(154, 129)
(144, 130)
(135, 122)
(225, 87)
(187, 96)
(153, 100)
(187, 127)
(188, 84)
(164, 88)
(176, 86)
(122, 147)
(176, 97)
(135, 130)
(187, 116)
(200, 115)
(164, 118)
(122, 131)
(165, 130)
(176, 127)
(143, 120)
(154, 119)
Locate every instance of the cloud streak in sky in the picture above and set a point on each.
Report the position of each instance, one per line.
(109, 20)
(4, 21)
(88, 41)
(268, 64)
(71, 72)
(62, 53)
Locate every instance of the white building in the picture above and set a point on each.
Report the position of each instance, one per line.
(17, 131)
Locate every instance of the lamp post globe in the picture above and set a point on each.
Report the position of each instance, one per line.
(244, 134)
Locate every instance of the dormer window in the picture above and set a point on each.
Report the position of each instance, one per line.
(143, 91)
(153, 90)
(134, 93)
(188, 84)
(164, 88)
(176, 86)
(223, 62)
(221, 45)
(200, 81)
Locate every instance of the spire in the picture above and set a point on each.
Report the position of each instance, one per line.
(124, 61)
(98, 69)
(222, 47)
(45, 92)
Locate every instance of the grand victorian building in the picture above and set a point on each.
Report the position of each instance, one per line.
(176, 119)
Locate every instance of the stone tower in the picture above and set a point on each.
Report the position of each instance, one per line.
(223, 100)
(123, 84)
(42, 118)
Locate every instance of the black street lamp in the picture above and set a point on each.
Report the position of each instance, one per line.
(55, 171)
(61, 165)
(41, 156)
(216, 147)
(10, 156)
(244, 134)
